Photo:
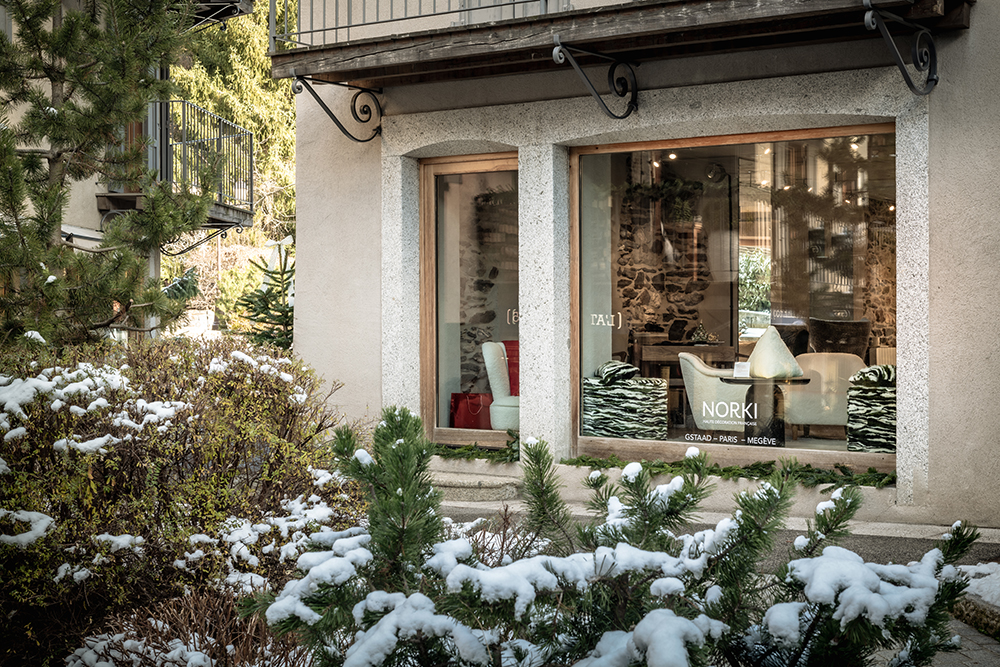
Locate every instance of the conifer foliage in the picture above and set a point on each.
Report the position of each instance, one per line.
(72, 84)
(271, 308)
(629, 590)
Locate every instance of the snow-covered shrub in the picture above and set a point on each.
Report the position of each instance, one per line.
(631, 589)
(129, 473)
(203, 628)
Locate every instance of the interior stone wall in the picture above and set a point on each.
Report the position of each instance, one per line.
(662, 275)
(486, 244)
(880, 289)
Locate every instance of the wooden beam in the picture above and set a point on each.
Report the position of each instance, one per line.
(430, 50)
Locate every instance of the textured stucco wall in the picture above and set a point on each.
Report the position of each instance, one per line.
(964, 381)
(338, 271)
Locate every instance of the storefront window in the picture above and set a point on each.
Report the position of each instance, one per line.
(476, 351)
(692, 258)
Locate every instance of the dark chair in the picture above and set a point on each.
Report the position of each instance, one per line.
(849, 336)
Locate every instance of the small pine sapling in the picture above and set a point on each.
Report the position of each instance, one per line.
(271, 308)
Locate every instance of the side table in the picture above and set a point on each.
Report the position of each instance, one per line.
(764, 426)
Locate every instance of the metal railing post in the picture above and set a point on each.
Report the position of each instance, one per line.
(272, 25)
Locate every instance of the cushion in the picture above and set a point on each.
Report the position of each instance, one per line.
(771, 358)
(513, 365)
(614, 371)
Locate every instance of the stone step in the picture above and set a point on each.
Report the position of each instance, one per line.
(466, 487)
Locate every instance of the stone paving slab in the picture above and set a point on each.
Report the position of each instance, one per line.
(977, 649)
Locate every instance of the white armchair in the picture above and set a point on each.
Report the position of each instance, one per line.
(824, 400)
(709, 396)
(505, 410)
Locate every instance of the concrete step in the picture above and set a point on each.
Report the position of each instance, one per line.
(477, 488)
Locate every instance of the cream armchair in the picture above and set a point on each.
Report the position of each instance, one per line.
(719, 406)
(505, 410)
(824, 400)
(710, 397)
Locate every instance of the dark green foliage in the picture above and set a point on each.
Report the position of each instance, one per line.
(76, 81)
(548, 517)
(636, 577)
(197, 433)
(270, 308)
(510, 453)
(402, 516)
(806, 475)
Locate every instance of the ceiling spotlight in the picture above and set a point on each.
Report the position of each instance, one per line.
(672, 156)
(767, 151)
(655, 163)
(854, 147)
(787, 187)
(892, 208)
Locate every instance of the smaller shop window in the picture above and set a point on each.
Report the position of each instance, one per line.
(471, 261)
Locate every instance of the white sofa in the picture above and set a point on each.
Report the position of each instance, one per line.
(824, 400)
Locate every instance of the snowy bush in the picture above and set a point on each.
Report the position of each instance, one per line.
(127, 474)
(632, 589)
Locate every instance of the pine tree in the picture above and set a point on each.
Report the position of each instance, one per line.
(71, 82)
(271, 308)
(638, 593)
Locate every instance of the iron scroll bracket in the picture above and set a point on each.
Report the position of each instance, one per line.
(923, 52)
(361, 112)
(224, 232)
(622, 85)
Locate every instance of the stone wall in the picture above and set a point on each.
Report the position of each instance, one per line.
(488, 254)
(880, 290)
(662, 275)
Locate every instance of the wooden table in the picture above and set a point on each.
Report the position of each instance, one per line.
(655, 349)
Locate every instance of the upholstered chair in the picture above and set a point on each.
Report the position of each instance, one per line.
(505, 410)
(713, 402)
(849, 336)
(824, 400)
(703, 385)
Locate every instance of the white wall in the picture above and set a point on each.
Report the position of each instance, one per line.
(338, 271)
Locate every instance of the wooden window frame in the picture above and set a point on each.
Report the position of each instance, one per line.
(672, 450)
(430, 168)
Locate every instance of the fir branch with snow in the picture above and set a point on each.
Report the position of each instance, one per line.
(666, 600)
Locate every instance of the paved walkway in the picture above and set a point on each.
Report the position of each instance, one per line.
(977, 649)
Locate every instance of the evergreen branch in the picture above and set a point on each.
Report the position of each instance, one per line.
(95, 251)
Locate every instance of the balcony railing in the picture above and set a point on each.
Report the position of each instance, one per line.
(323, 22)
(187, 140)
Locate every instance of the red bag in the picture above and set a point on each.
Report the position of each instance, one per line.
(470, 410)
(513, 365)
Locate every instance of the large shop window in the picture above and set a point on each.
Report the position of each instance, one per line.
(470, 227)
(735, 291)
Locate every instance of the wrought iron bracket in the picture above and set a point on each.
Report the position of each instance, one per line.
(924, 52)
(361, 113)
(622, 86)
(224, 232)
